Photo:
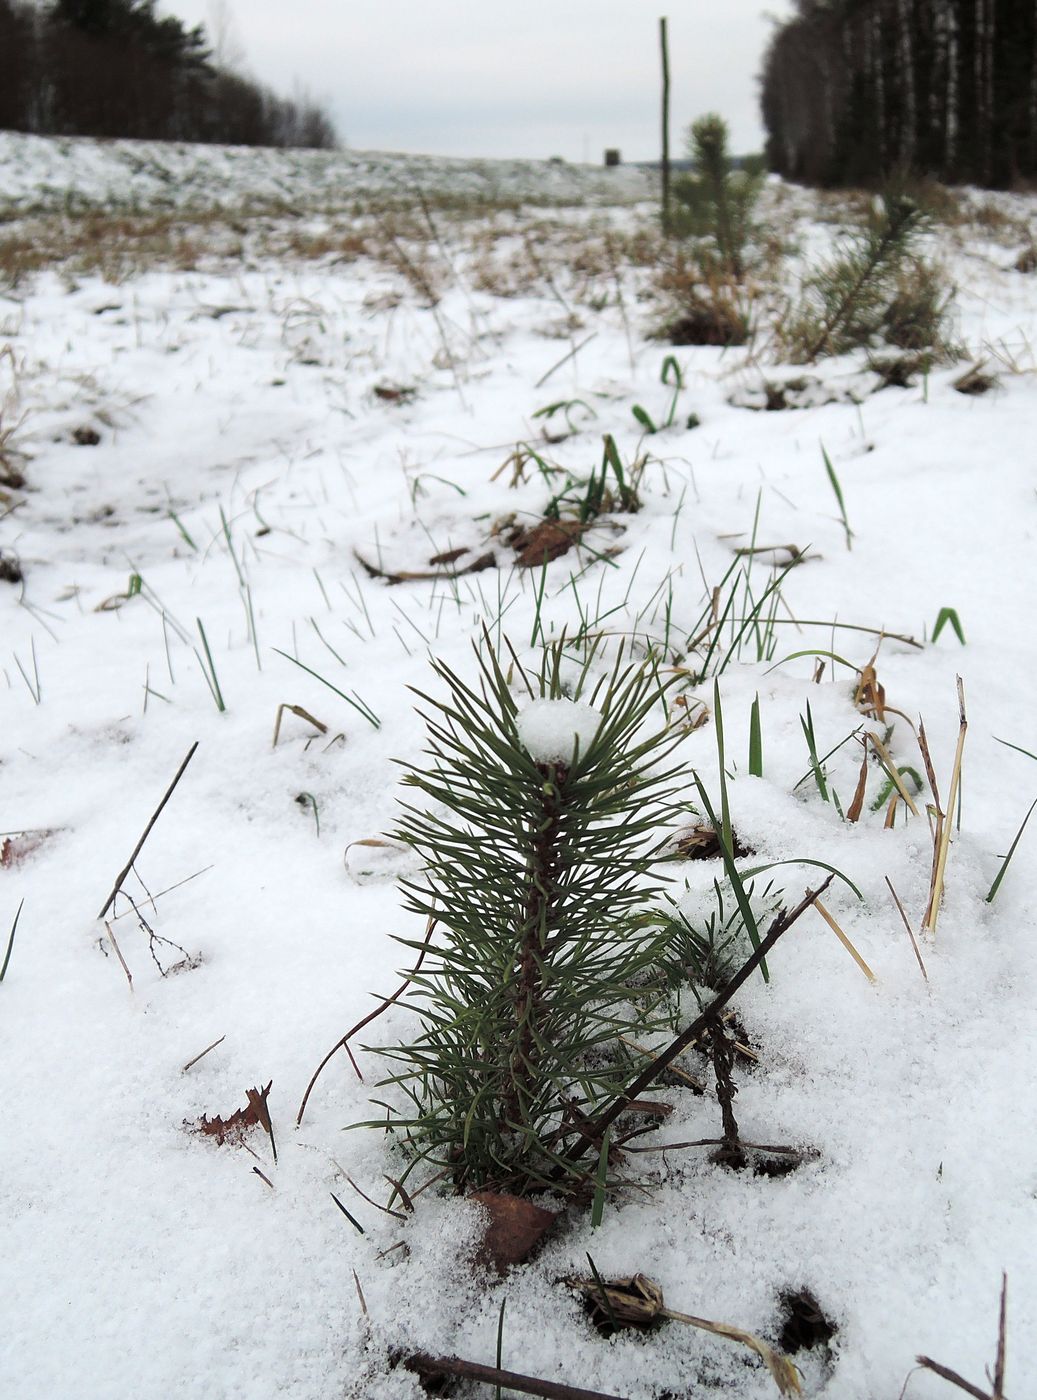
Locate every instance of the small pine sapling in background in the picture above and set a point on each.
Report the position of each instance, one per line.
(544, 808)
(716, 203)
(702, 274)
(876, 289)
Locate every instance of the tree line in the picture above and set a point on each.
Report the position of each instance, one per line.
(115, 68)
(853, 90)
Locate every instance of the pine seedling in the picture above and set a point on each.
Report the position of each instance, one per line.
(541, 818)
(717, 201)
(847, 303)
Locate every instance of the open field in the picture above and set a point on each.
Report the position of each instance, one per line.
(272, 430)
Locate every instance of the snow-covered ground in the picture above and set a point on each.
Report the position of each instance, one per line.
(198, 460)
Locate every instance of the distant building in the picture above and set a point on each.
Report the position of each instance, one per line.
(612, 156)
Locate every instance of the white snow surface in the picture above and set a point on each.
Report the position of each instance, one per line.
(242, 529)
(551, 729)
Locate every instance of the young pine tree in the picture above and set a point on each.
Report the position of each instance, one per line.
(541, 817)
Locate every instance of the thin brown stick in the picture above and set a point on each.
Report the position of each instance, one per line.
(1002, 1323)
(118, 953)
(168, 890)
(945, 1373)
(590, 1136)
(564, 360)
(343, 1044)
(431, 1366)
(484, 561)
(778, 1151)
(944, 844)
(202, 1056)
(907, 925)
(146, 833)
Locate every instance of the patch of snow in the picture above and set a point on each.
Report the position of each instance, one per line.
(551, 729)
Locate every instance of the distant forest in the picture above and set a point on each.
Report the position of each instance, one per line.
(856, 89)
(118, 68)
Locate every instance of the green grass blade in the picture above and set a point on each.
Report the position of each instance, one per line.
(725, 808)
(755, 741)
(950, 615)
(997, 879)
(838, 496)
(357, 704)
(727, 856)
(10, 941)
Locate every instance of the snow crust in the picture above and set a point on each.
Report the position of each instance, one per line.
(551, 729)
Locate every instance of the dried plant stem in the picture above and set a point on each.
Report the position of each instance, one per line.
(892, 771)
(845, 941)
(590, 1135)
(436, 1366)
(146, 833)
(942, 837)
(907, 925)
(343, 1044)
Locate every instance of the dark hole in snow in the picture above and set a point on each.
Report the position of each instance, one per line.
(805, 1325)
(10, 570)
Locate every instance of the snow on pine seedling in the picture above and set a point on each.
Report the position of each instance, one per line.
(554, 730)
(206, 490)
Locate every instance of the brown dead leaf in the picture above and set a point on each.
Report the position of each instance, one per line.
(514, 1230)
(19, 845)
(235, 1129)
(544, 541)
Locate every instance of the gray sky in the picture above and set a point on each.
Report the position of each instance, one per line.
(484, 78)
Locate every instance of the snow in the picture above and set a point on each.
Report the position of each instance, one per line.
(249, 481)
(553, 730)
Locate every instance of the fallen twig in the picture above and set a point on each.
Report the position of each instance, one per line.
(484, 561)
(590, 1136)
(433, 1366)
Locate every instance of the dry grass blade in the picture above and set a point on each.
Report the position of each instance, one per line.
(638, 1302)
(203, 1054)
(783, 1372)
(997, 1392)
(892, 771)
(942, 843)
(1002, 1324)
(945, 1373)
(845, 941)
(343, 1044)
(145, 834)
(118, 953)
(299, 713)
(907, 925)
(856, 807)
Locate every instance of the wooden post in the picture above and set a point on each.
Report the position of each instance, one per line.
(666, 124)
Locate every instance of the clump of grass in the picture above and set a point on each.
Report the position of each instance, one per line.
(703, 305)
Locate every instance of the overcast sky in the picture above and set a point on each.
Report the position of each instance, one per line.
(486, 78)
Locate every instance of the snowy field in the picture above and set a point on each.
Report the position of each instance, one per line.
(248, 466)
